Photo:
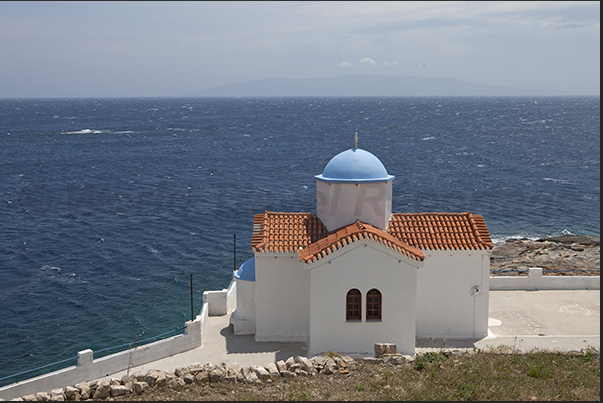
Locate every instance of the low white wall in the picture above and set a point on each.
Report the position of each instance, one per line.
(241, 326)
(89, 369)
(536, 281)
(221, 302)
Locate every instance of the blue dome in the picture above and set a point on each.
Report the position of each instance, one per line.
(354, 166)
(246, 271)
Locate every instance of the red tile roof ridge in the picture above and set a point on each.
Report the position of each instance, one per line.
(352, 233)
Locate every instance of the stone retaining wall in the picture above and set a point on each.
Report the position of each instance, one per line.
(137, 383)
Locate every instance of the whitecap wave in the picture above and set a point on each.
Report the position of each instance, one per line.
(85, 131)
(533, 122)
(557, 180)
(501, 239)
(96, 131)
(56, 272)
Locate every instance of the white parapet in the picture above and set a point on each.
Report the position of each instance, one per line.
(536, 281)
(88, 368)
(219, 303)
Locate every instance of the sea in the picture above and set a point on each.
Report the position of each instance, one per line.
(111, 208)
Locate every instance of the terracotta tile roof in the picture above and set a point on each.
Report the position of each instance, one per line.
(441, 231)
(305, 233)
(285, 232)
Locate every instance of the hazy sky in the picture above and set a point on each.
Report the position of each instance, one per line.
(140, 49)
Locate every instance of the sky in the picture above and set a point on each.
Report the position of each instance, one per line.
(163, 49)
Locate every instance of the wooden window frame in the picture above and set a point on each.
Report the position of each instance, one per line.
(353, 305)
(374, 300)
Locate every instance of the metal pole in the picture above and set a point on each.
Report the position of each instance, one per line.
(235, 252)
(192, 310)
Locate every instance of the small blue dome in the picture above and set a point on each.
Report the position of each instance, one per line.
(246, 271)
(354, 166)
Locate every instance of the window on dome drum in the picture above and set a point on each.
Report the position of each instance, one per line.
(353, 305)
(373, 304)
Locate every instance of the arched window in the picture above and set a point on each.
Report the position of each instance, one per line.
(353, 305)
(373, 304)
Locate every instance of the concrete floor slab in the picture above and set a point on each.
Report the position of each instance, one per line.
(519, 320)
(554, 320)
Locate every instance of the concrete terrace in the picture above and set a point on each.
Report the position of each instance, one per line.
(563, 320)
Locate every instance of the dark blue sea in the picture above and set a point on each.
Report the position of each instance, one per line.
(107, 206)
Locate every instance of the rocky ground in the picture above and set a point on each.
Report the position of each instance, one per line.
(445, 374)
(567, 255)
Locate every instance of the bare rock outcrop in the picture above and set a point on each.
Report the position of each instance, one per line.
(567, 255)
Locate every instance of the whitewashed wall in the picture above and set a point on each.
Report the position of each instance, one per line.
(282, 298)
(363, 265)
(245, 299)
(243, 317)
(340, 204)
(446, 304)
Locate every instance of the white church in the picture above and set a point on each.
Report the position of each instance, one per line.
(354, 274)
